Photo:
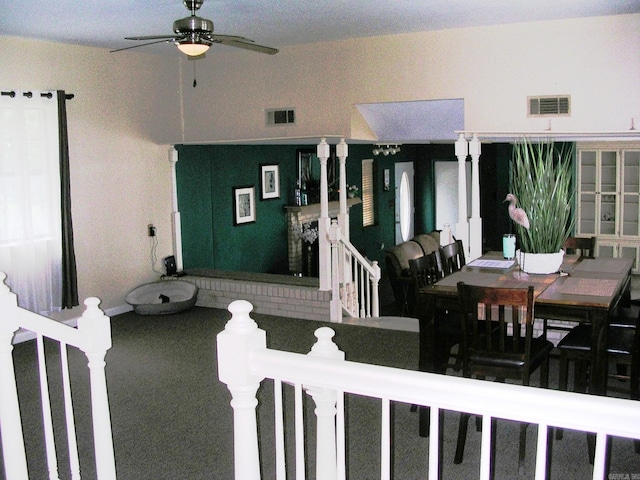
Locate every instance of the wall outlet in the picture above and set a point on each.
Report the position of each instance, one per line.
(151, 230)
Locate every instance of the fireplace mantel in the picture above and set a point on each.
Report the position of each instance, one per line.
(313, 210)
(298, 215)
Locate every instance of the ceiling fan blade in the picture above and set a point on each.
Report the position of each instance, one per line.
(152, 37)
(241, 42)
(166, 40)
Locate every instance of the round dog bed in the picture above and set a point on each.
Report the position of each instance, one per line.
(163, 297)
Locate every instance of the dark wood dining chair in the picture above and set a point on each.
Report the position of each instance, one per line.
(452, 257)
(491, 350)
(583, 246)
(448, 326)
(623, 350)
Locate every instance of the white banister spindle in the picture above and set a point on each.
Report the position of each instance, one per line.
(324, 249)
(462, 227)
(325, 400)
(235, 343)
(97, 328)
(15, 461)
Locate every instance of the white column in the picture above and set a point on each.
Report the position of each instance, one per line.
(235, 343)
(324, 246)
(325, 400)
(15, 461)
(175, 214)
(342, 151)
(462, 227)
(475, 223)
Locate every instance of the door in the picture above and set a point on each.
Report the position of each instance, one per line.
(404, 201)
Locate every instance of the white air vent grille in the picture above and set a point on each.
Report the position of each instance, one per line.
(281, 116)
(557, 105)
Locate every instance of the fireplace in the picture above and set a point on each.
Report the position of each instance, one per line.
(297, 216)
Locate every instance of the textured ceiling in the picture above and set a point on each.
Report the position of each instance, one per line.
(277, 23)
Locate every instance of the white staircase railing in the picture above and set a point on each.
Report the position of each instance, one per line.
(244, 362)
(93, 337)
(354, 280)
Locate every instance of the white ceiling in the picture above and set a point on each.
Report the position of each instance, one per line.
(277, 23)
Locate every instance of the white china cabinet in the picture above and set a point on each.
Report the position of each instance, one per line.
(608, 177)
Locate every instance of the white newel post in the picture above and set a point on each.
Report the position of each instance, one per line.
(175, 214)
(235, 343)
(336, 254)
(97, 327)
(324, 250)
(325, 400)
(15, 462)
(462, 227)
(475, 223)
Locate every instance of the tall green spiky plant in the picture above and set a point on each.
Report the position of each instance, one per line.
(541, 179)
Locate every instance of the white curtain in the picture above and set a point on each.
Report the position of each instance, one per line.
(30, 221)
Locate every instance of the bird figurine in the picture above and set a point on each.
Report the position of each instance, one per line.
(517, 214)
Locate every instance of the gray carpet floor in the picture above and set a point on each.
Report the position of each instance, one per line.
(171, 416)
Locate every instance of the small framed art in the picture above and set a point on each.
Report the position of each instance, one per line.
(270, 181)
(244, 205)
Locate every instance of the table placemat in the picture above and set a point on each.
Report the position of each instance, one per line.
(604, 265)
(589, 286)
(473, 278)
(491, 263)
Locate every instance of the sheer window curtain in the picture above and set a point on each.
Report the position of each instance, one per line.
(30, 199)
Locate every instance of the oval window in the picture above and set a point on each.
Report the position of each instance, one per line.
(405, 207)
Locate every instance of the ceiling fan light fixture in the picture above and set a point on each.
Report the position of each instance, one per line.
(193, 47)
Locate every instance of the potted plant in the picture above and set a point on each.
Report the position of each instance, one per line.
(542, 185)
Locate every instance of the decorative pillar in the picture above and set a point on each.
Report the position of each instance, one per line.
(324, 248)
(342, 151)
(462, 227)
(175, 214)
(475, 223)
(235, 343)
(325, 400)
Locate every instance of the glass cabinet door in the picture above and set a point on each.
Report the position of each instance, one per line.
(608, 192)
(631, 193)
(587, 201)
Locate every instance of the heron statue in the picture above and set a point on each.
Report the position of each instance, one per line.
(517, 214)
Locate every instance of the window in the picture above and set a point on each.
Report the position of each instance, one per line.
(368, 213)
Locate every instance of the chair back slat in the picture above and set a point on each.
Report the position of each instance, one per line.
(584, 246)
(452, 257)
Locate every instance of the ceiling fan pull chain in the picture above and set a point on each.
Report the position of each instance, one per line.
(195, 82)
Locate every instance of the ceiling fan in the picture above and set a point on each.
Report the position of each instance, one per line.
(194, 35)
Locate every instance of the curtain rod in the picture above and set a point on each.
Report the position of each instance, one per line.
(12, 94)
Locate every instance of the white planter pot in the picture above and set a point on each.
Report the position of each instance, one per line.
(539, 262)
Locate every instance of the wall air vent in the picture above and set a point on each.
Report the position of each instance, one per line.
(549, 105)
(280, 116)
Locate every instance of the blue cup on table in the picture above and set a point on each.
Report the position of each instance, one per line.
(509, 246)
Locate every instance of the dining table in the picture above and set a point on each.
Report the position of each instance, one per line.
(583, 290)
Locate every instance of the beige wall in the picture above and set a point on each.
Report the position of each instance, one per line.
(120, 178)
(128, 108)
(494, 69)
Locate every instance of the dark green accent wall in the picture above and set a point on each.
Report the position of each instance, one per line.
(206, 175)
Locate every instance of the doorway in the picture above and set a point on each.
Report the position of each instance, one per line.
(404, 207)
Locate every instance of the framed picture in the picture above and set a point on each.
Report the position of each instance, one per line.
(270, 182)
(244, 205)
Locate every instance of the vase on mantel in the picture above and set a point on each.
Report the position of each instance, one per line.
(542, 263)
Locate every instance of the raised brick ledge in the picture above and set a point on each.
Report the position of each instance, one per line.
(307, 302)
